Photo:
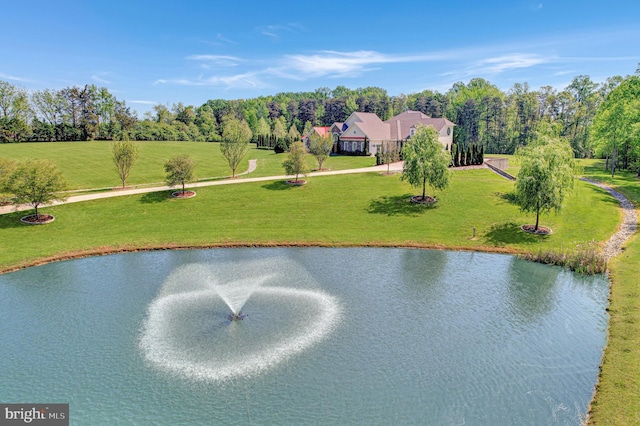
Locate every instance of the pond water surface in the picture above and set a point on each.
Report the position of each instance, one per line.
(332, 336)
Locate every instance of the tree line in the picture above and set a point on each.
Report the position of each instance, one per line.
(484, 115)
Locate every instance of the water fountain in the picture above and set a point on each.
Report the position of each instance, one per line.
(187, 331)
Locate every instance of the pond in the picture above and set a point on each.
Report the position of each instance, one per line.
(331, 335)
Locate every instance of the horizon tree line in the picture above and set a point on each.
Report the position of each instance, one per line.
(485, 116)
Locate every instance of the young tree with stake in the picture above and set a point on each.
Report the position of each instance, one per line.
(320, 147)
(36, 182)
(296, 162)
(235, 142)
(179, 170)
(125, 154)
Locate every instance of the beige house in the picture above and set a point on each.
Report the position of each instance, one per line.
(363, 133)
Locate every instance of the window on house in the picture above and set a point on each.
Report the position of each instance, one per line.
(412, 132)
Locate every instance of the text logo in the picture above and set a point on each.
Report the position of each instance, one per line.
(34, 414)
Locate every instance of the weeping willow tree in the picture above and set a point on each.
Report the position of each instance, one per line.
(545, 177)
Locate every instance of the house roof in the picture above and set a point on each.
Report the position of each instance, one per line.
(396, 128)
(401, 124)
(322, 131)
(370, 124)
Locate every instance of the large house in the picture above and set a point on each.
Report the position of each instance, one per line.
(364, 133)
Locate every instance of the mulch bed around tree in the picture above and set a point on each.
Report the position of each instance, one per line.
(542, 230)
(185, 194)
(41, 219)
(426, 200)
(294, 182)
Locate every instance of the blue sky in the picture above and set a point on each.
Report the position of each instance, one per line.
(149, 52)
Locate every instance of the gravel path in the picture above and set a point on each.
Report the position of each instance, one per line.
(613, 246)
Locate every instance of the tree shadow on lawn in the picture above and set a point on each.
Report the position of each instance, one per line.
(510, 233)
(12, 220)
(398, 205)
(509, 197)
(156, 197)
(278, 185)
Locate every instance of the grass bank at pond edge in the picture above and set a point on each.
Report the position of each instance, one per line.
(617, 398)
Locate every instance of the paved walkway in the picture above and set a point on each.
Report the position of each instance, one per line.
(252, 166)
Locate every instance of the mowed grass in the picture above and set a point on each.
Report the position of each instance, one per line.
(360, 209)
(617, 399)
(363, 209)
(88, 165)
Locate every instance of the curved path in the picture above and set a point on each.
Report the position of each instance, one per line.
(252, 166)
(613, 246)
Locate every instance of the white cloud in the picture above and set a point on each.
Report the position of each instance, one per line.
(14, 78)
(213, 58)
(338, 64)
(236, 81)
(98, 79)
(224, 39)
(507, 62)
(217, 60)
(142, 102)
(499, 64)
(274, 31)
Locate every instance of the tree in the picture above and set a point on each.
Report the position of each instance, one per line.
(263, 127)
(388, 153)
(179, 170)
(320, 147)
(235, 142)
(125, 153)
(616, 125)
(546, 174)
(425, 161)
(294, 134)
(49, 105)
(278, 130)
(296, 163)
(6, 168)
(36, 182)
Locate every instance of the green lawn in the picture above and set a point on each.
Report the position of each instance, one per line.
(355, 209)
(617, 400)
(88, 165)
